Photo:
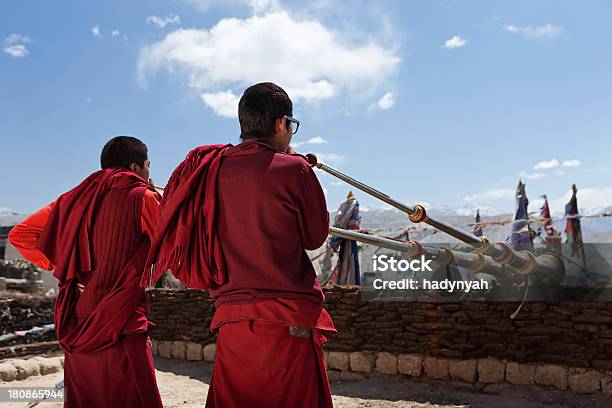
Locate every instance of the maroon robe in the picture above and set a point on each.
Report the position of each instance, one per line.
(237, 220)
(271, 208)
(94, 236)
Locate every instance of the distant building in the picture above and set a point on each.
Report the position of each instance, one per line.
(4, 241)
(9, 253)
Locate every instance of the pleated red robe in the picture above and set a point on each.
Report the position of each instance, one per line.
(98, 234)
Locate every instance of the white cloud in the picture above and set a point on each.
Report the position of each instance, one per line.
(88, 100)
(17, 51)
(15, 45)
(162, 22)
(117, 33)
(454, 42)
(316, 64)
(494, 193)
(337, 183)
(312, 91)
(222, 103)
(387, 101)
(559, 172)
(571, 163)
(312, 141)
(546, 31)
(332, 159)
(95, 30)
(534, 176)
(316, 140)
(547, 164)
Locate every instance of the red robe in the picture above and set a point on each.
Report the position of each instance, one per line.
(237, 220)
(271, 208)
(99, 234)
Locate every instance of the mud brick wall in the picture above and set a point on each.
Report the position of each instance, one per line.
(19, 311)
(577, 334)
(184, 314)
(18, 269)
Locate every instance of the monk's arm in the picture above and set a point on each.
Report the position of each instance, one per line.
(25, 235)
(313, 218)
(150, 213)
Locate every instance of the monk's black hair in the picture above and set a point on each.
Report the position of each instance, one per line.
(259, 107)
(122, 151)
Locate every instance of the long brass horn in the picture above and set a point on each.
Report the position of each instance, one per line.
(523, 262)
(416, 214)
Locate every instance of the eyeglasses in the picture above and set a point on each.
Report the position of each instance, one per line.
(291, 120)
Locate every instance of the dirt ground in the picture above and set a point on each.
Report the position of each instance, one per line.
(185, 384)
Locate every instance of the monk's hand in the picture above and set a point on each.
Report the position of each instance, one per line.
(80, 287)
(149, 341)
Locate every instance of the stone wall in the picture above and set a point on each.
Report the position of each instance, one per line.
(20, 311)
(566, 345)
(184, 314)
(22, 276)
(577, 334)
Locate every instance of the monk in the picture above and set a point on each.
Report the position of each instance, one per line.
(96, 238)
(237, 220)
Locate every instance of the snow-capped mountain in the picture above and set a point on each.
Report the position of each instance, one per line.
(444, 210)
(8, 217)
(594, 211)
(465, 211)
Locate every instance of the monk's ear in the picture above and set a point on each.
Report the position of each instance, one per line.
(134, 168)
(280, 126)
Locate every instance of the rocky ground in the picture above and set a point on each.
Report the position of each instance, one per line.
(185, 384)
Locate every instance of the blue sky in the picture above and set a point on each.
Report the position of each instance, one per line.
(446, 102)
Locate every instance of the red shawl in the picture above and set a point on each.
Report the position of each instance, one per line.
(186, 240)
(65, 241)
